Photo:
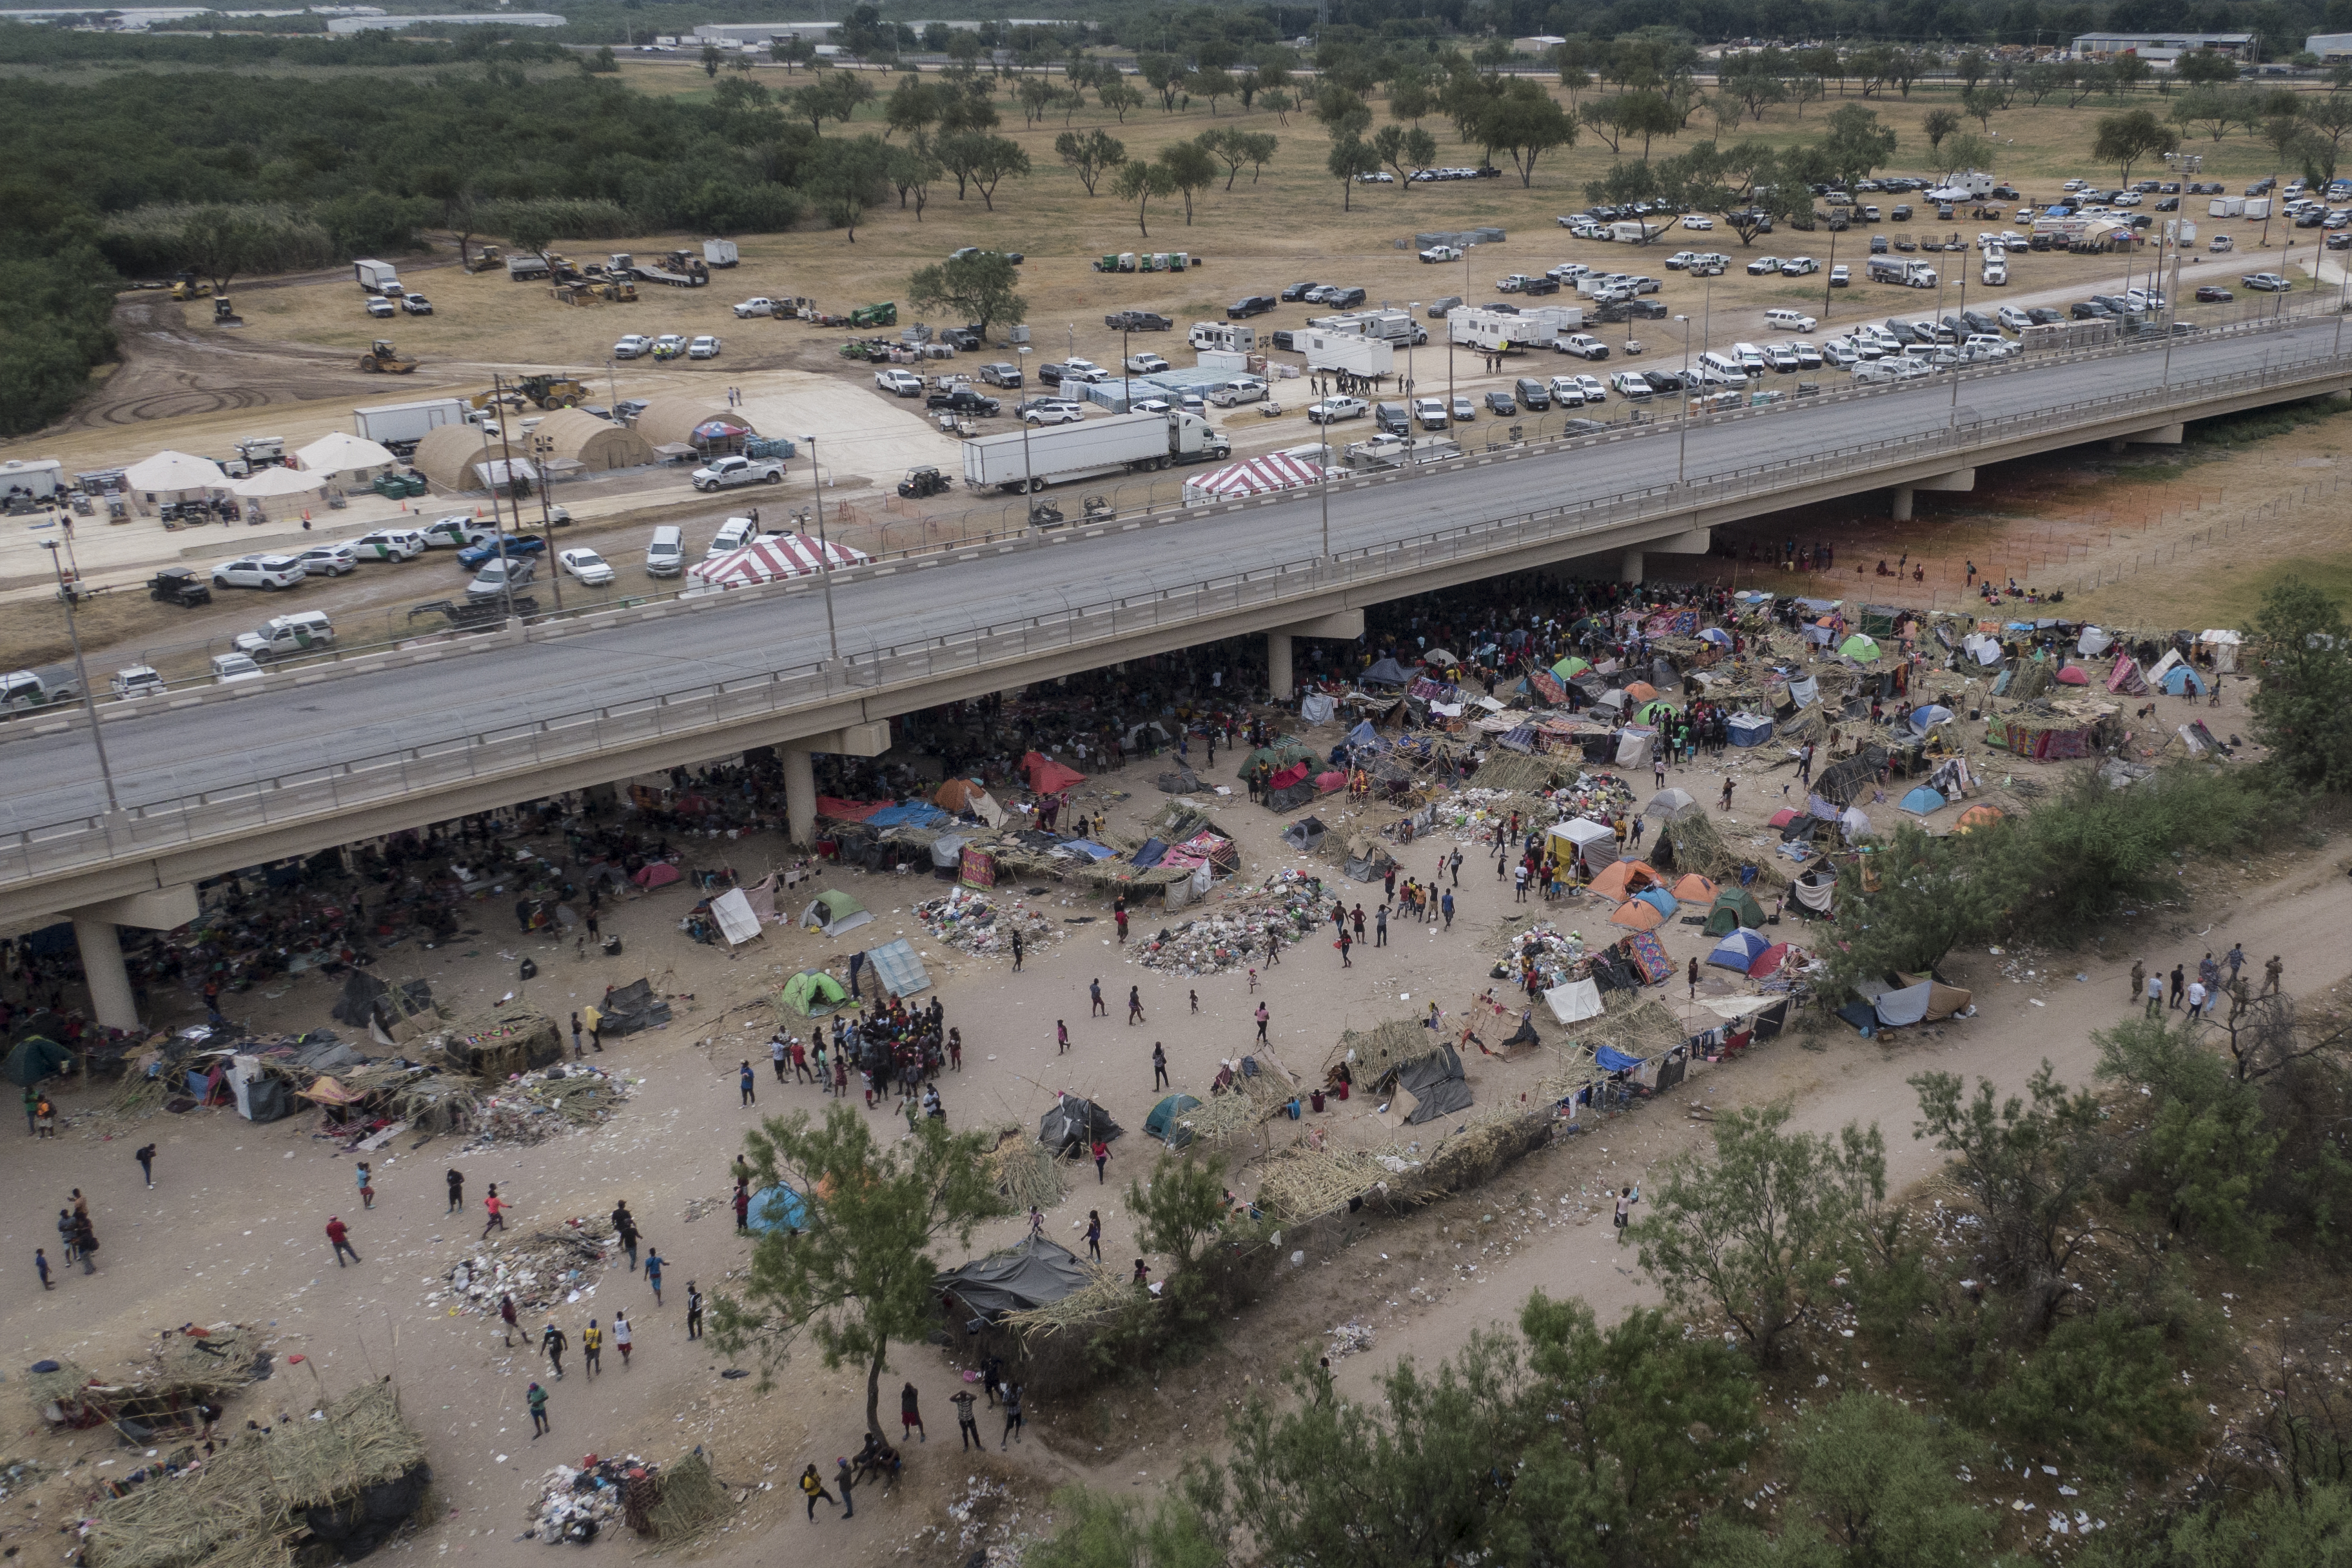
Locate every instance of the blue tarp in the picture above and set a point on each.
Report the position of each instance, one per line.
(1362, 734)
(1923, 800)
(1908, 1005)
(1151, 854)
(1613, 1060)
(913, 815)
(777, 1208)
(1089, 848)
(1738, 950)
(1748, 729)
(1860, 1015)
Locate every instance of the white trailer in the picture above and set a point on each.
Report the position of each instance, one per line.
(1228, 337)
(2226, 206)
(377, 276)
(403, 425)
(39, 477)
(1967, 186)
(720, 252)
(1122, 443)
(2257, 209)
(1499, 331)
(1349, 350)
(1635, 231)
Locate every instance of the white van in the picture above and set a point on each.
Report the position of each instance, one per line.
(733, 534)
(1719, 369)
(665, 556)
(1786, 321)
(283, 634)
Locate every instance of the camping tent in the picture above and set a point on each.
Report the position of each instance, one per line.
(1637, 914)
(1928, 716)
(1978, 816)
(833, 911)
(1386, 672)
(1733, 907)
(812, 991)
(2182, 680)
(1163, 1123)
(1307, 833)
(737, 922)
(1737, 949)
(655, 874)
(1073, 1123)
(1045, 775)
(1037, 1273)
(961, 795)
(2074, 675)
(1860, 649)
(776, 1208)
(1671, 806)
(1923, 800)
(1627, 878)
(35, 1058)
(1693, 888)
(1769, 962)
(1659, 900)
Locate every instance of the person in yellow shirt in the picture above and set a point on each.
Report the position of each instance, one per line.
(591, 1347)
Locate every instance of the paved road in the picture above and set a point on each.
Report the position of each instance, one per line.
(166, 756)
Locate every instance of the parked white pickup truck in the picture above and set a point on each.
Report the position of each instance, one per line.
(729, 472)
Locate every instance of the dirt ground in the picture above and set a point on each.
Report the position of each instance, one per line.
(220, 1240)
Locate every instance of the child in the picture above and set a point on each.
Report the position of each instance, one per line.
(367, 1186)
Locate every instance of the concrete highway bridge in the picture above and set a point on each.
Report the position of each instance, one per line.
(208, 780)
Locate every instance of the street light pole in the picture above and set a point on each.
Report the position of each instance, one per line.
(1028, 475)
(824, 551)
(1682, 442)
(70, 594)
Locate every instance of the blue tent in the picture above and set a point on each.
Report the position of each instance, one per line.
(777, 1208)
(1164, 1122)
(1923, 800)
(1386, 672)
(1362, 734)
(1738, 950)
(1926, 718)
(2180, 680)
(1661, 900)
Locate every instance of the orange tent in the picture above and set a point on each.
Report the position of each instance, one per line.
(1624, 879)
(1638, 915)
(1047, 776)
(1639, 690)
(1978, 816)
(1695, 889)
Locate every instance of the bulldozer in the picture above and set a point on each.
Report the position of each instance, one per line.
(381, 359)
(225, 313)
(485, 259)
(577, 294)
(552, 390)
(617, 292)
(188, 289)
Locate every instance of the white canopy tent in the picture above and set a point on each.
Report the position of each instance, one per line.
(339, 453)
(275, 480)
(174, 473)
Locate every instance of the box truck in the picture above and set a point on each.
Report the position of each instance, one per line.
(720, 252)
(1899, 270)
(400, 426)
(1122, 443)
(377, 276)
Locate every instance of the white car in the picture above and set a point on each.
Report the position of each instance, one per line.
(1431, 412)
(229, 668)
(389, 544)
(1799, 266)
(497, 577)
(637, 346)
(1333, 409)
(380, 308)
(1593, 391)
(328, 560)
(1145, 364)
(1052, 413)
(268, 573)
(756, 305)
(1763, 266)
(1382, 178)
(704, 347)
(669, 343)
(1996, 268)
(587, 566)
(1698, 222)
(1631, 383)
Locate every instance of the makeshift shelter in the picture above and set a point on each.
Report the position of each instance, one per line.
(2093, 643)
(812, 992)
(2224, 645)
(1943, 1001)
(1074, 1123)
(1671, 806)
(1035, 1273)
(1427, 1087)
(967, 795)
(1733, 907)
(1925, 799)
(678, 420)
(1918, 1001)
(737, 921)
(832, 913)
(1748, 729)
(1164, 1122)
(594, 444)
(1578, 839)
(500, 1045)
(448, 453)
(2125, 679)
(1252, 476)
(1574, 1001)
(655, 874)
(897, 969)
(776, 1208)
(1306, 834)
(628, 1009)
(1815, 890)
(33, 1058)
(1737, 949)
(1048, 776)
(1385, 672)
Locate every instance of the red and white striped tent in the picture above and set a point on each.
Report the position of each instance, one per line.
(1253, 476)
(765, 560)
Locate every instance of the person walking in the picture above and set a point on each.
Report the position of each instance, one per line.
(1453, 865)
(498, 1208)
(846, 1479)
(1061, 1039)
(86, 1243)
(1016, 953)
(2196, 999)
(742, 1208)
(1519, 883)
(1694, 977)
(779, 1054)
(367, 1184)
(146, 1158)
(1102, 1155)
(41, 1267)
(1625, 1202)
(552, 1343)
(1119, 919)
(2155, 995)
(1134, 1006)
(1726, 793)
(1381, 927)
(1262, 1016)
(748, 1085)
(911, 1418)
(812, 1487)
(693, 1311)
(1094, 990)
(1446, 903)
(1094, 1235)
(967, 1427)
(456, 1180)
(1345, 943)
(2270, 972)
(535, 1397)
(339, 1235)
(2138, 979)
(624, 1229)
(1158, 1066)
(2180, 984)
(653, 1277)
(507, 1320)
(576, 1052)
(592, 1349)
(623, 1337)
(1013, 1421)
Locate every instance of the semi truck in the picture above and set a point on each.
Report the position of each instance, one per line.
(400, 426)
(378, 278)
(1123, 443)
(1901, 269)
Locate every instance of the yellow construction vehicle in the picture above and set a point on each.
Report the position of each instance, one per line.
(382, 360)
(485, 258)
(552, 390)
(578, 294)
(617, 292)
(189, 288)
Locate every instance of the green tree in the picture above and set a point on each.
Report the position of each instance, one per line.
(2127, 71)
(1035, 94)
(1404, 149)
(1857, 143)
(792, 53)
(1101, 1532)
(2208, 109)
(1932, 895)
(1971, 67)
(1213, 85)
(913, 171)
(913, 105)
(1090, 155)
(1981, 103)
(713, 57)
(602, 63)
(2204, 68)
(2039, 81)
(1166, 74)
(2200, 1148)
(2031, 1166)
(979, 289)
(1936, 124)
(1120, 97)
(220, 242)
(1759, 1231)
(1524, 122)
(1349, 159)
(2302, 701)
(859, 1274)
(1139, 183)
(2126, 138)
(1190, 169)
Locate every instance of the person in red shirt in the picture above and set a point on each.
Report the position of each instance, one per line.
(340, 1234)
(497, 1206)
(1102, 1158)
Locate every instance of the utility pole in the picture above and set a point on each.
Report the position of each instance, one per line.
(498, 519)
(70, 594)
(824, 551)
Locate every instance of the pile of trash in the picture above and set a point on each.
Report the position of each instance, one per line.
(1349, 1338)
(575, 1505)
(974, 923)
(1557, 954)
(534, 1107)
(538, 1270)
(1289, 903)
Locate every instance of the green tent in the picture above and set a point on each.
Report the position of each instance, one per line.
(812, 992)
(1732, 909)
(35, 1058)
(833, 911)
(1164, 1122)
(1658, 711)
(1277, 756)
(1571, 667)
(1859, 650)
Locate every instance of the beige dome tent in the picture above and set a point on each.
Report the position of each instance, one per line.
(678, 420)
(592, 443)
(447, 454)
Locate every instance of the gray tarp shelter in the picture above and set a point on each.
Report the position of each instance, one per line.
(1386, 672)
(897, 967)
(633, 1007)
(1307, 833)
(1035, 1274)
(1435, 1084)
(1074, 1123)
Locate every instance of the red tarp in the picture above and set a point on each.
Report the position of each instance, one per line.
(655, 874)
(840, 810)
(1287, 777)
(1045, 775)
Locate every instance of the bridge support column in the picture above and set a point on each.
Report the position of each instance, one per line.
(2158, 435)
(161, 909)
(1280, 677)
(1960, 480)
(1902, 512)
(867, 739)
